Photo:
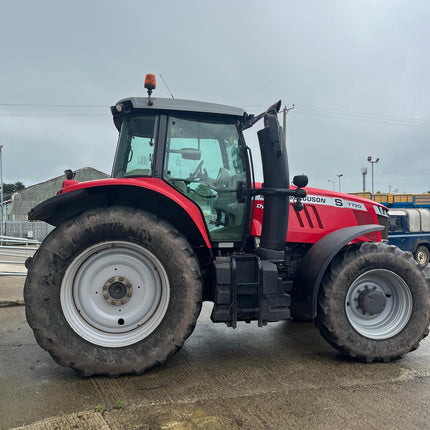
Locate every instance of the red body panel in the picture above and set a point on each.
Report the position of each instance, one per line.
(324, 211)
(153, 184)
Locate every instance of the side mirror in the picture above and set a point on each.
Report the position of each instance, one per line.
(300, 181)
(191, 154)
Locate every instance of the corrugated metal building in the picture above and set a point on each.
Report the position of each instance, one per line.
(15, 210)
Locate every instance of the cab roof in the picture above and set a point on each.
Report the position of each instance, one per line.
(181, 106)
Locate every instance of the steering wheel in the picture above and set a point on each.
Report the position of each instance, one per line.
(197, 172)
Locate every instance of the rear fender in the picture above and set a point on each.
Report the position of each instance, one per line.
(167, 203)
(314, 264)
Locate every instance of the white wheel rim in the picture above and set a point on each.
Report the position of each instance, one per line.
(396, 313)
(115, 294)
(421, 257)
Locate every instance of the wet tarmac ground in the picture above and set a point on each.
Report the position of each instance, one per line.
(281, 376)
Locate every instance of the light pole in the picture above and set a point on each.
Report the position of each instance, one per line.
(284, 122)
(334, 184)
(1, 190)
(339, 176)
(372, 162)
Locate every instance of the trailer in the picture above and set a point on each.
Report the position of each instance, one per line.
(405, 200)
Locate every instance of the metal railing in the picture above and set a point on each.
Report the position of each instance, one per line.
(13, 253)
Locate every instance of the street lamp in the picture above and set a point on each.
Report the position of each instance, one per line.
(334, 184)
(339, 176)
(371, 161)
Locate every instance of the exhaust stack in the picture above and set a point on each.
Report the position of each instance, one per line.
(275, 187)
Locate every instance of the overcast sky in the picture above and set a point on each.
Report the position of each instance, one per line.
(358, 73)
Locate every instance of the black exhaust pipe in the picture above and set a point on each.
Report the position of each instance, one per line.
(276, 178)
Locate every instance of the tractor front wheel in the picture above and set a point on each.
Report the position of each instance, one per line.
(113, 291)
(373, 303)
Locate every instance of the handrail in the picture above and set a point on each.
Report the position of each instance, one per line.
(16, 250)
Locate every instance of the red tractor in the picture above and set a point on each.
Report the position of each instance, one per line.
(117, 287)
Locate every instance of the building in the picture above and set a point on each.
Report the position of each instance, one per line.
(16, 208)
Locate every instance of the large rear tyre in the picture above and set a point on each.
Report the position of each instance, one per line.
(373, 303)
(113, 291)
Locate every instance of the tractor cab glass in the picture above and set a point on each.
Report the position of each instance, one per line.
(135, 153)
(204, 161)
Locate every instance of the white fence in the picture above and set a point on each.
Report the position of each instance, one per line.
(28, 230)
(13, 253)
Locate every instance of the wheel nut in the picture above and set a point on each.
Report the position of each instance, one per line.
(105, 296)
(129, 294)
(105, 287)
(122, 302)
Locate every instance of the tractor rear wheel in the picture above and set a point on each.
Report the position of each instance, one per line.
(374, 303)
(113, 291)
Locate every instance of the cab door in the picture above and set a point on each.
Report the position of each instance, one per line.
(206, 161)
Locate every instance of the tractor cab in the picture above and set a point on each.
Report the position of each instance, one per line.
(199, 153)
(199, 150)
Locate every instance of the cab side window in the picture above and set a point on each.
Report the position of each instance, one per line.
(136, 146)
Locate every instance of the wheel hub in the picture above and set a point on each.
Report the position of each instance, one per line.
(117, 290)
(372, 302)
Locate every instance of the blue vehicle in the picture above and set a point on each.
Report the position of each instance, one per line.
(409, 229)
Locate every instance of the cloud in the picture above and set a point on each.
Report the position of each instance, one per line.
(357, 72)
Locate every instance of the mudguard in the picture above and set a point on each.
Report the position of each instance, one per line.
(314, 264)
(153, 195)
